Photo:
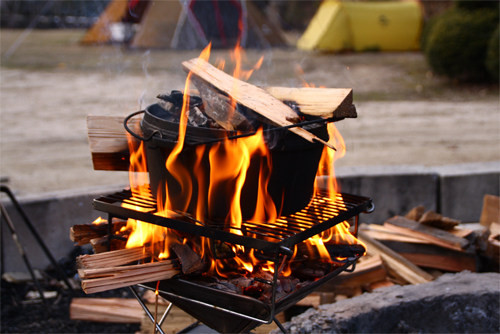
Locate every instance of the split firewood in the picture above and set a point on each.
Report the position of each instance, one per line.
(321, 102)
(416, 213)
(432, 234)
(100, 245)
(422, 252)
(114, 310)
(397, 265)
(108, 141)
(113, 258)
(190, 261)
(249, 96)
(220, 109)
(434, 219)
(82, 234)
(103, 279)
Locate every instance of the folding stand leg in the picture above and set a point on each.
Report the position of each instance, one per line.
(148, 313)
(20, 247)
(280, 326)
(35, 234)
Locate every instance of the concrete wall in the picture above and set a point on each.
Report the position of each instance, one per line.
(455, 191)
(52, 216)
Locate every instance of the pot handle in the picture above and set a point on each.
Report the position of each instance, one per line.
(135, 135)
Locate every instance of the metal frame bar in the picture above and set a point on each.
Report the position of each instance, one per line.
(36, 235)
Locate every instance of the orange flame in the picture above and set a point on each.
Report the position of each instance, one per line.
(229, 162)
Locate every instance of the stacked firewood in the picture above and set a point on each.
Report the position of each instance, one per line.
(421, 246)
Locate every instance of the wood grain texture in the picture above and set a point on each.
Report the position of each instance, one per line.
(250, 96)
(432, 234)
(322, 102)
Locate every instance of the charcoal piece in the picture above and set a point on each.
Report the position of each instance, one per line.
(220, 108)
(196, 117)
(177, 97)
(286, 285)
(229, 285)
(242, 282)
(340, 250)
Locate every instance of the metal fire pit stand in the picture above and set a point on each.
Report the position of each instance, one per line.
(301, 228)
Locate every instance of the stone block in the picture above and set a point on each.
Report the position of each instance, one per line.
(462, 188)
(394, 190)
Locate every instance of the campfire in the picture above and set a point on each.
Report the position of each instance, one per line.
(223, 217)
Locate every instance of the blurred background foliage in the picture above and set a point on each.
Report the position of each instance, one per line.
(462, 42)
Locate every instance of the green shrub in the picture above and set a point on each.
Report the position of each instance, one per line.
(476, 4)
(492, 55)
(426, 31)
(458, 41)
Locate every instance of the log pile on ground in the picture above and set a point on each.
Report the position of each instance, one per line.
(421, 246)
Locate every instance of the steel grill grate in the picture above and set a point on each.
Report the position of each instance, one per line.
(320, 215)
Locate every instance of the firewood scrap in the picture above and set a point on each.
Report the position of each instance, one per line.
(82, 234)
(416, 213)
(113, 310)
(491, 210)
(190, 261)
(321, 102)
(113, 258)
(100, 245)
(396, 265)
(103, 279)
(108, 141)
(431, 218)
(434, 219)
(249, 96)
(432, 234)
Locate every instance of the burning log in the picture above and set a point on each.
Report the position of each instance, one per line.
(82, 234)
(103, 279)
(220, 108)
(249, 96)
(190, 261)
(100, 245)
(113, 258)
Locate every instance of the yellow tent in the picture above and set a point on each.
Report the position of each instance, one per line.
(364, 26)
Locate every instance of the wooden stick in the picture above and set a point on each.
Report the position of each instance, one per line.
(103, 279)
(432, 234)
(395, 263)
(250, 96)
